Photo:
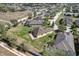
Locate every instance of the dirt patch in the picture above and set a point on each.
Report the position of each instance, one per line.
(13, 15)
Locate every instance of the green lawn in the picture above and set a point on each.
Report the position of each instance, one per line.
(38, 43)
(24, 33)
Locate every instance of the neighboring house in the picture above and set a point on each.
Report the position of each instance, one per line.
(71, 14)
(34, 22)
(65, 41)
(41, 31)
(46, 14)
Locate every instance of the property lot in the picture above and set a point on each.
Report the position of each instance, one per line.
(23, 32)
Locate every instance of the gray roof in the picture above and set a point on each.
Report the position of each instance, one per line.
(65, 41)
(60, 37)
(35, 22)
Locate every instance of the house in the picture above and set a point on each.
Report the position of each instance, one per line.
(65, 42)
(40, 32)
(46, 13)
(71, 14)
(36, 21)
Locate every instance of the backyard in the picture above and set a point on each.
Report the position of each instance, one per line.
(23, 32)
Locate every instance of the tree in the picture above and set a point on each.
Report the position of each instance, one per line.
(3, 8)
(12, 42)
(2, 32)
(62, 25)
(74, 30)
(62, 28)
(62, 22)
(46, 22)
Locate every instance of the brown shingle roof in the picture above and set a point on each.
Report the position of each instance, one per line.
(40, 31)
